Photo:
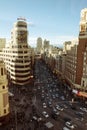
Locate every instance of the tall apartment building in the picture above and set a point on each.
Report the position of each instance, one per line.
(84, 75)
(82, 45)
(66, 46)
(39, 45)
(2, 43)
(70, 65)
(16, 56)
(4, 103)
(46, 45)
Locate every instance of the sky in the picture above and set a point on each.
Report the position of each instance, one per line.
(54, 20)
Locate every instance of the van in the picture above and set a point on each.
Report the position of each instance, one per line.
(65, 128)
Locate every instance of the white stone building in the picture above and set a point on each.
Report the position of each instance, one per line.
(17, 56)
(4, 102)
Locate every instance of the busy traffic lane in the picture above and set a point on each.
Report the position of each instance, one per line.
(47, 86)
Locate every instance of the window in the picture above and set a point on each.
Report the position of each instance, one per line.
(4, 111)
(83, 84)
(3, 87)
(1, 71)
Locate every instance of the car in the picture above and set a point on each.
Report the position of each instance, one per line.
(83, 109)
(69, 125)
(42, 98)
(80, 114)
(56, 95)
(54, 109)
(45, 114)
(65, 106)
(62, 97)
(34, 118)
(44, 105)
(37, 118)
(55, 114)
(50, 104)
(53, 96)
(59, 108)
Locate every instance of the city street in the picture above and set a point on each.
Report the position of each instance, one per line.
(46, 101)
(49, 89)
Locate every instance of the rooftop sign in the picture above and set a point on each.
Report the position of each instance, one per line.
(21, 18)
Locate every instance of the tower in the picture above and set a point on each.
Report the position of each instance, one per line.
(17, 55)
(82, 45)
(39, 45)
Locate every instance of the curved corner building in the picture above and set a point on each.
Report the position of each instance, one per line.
(17, 58)
(20, 60)
(4, 102)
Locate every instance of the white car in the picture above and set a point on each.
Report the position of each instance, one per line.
(83, 109)
(59, 108)
(69, 125)
(37, 118)
(44, 105)
(45, 114)
(34, 118)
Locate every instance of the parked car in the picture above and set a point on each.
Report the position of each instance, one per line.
(45, 114)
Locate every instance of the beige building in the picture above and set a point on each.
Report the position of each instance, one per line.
(2, 43)
(39, 45)
(17, 56)
(4, 102)
(46, 45)
(70, 66)
(66, 46)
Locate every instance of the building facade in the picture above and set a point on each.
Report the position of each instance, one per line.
(4, 102)
(39, 45)
(46, 45)
(81, 46)
(2, 43)
(84, 75)
(17, 56)
(70, 67)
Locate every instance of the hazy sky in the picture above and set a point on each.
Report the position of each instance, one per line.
(54, 20)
